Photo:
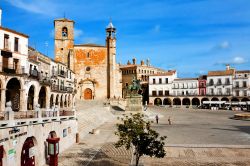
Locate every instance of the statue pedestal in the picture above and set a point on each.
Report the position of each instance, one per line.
(134, 103)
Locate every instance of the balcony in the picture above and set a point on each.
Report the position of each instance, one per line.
(218, 94)
(12, 69)
(34, 74)
(45, 81)
(240, 87)
(57, 88)
(28, 117)
(62, 73)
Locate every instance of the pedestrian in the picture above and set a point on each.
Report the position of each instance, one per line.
(157, 119)
(169, 121)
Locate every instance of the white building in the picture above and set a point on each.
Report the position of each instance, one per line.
(241, 83)
(185, 87)
(161, 84)
(220, 83)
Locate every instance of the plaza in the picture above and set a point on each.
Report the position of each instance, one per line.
(196, 137)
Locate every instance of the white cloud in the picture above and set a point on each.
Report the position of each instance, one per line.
(78, 33)
(44, 7)
(224, 45)
(157, 28)
(238, 60)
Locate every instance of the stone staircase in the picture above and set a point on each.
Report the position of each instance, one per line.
(92, 114)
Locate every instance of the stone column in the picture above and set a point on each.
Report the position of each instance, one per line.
(3, 100)
(47, 102)
(23, 100)
(35, 101)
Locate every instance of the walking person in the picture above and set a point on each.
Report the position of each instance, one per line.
(157, 118)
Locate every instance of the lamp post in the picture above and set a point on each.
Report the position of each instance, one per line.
(53, 150)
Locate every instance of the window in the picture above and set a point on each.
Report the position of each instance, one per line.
(245, 93)
(203, 92)
(154, 93)
(227, 81)
(166, 93)
(87, 68)
(228, 91)
(6, 42)
(64, 32)
(237, 84)
(219, 91)
(237, 93)
(244, 84)
(211, 82)
(160, 93)
(211, 91)
(160, 81)
(166, 80)
(153, 81)
(16, 44)
(219, 82)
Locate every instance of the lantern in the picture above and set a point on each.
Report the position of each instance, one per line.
(53, 150)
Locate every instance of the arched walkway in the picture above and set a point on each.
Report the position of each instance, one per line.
(61, 102)
(186, 101)
(13, 93)
(225, 99)
(157, 101)
(88, 94)
(245, 99)
(204, 99)
(195, 101)
(235, 100)
(57, 100)
(177, 101)
(26, 158)
(30, 102)
(167, 101)
(51, 100)
(214, 99)
(42, 97)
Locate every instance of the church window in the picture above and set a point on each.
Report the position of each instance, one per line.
(64, 32)
(88, 54)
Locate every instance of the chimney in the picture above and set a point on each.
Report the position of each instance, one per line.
(227, 67)
(134, 61)
(0, 17)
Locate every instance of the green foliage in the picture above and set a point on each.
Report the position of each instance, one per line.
(136, 131)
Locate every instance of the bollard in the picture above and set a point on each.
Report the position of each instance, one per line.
(169, 121)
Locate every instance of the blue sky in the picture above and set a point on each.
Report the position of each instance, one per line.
(191, 36)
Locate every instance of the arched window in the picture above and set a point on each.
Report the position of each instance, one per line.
(64, 32)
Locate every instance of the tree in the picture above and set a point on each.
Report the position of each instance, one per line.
(135, 131)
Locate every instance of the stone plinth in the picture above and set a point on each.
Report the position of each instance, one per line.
(134, 103)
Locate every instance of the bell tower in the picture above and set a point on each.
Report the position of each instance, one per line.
(64, 41)
(111, 61)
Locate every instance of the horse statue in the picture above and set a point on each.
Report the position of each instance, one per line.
(135, 87)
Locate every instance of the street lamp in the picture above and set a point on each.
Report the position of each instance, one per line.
(53, 150)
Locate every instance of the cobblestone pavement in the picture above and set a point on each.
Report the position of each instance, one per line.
(195, 138)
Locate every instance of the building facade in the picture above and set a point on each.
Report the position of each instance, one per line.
(98, 75)
(31, 111)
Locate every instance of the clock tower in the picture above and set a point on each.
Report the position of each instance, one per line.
(64, 41)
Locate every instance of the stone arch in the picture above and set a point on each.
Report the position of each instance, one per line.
(195, 101)
(167, 101)
(245, 99)
(13, 93)
(69, 100)
(204, 99)
(57, 100)
(177, 101)
(235, 99)
(42, 97)
(157, 101)
(225, 99)
(26, 160)
(51, 100)
(88, 94)
(65, 101)
(214, 99)
(186, 101)
(61, 101)
(31, 95)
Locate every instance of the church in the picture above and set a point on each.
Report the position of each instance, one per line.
(97, 74)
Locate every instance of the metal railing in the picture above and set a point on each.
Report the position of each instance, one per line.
(25, 114)
(11, 68)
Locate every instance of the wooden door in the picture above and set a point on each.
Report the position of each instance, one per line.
(88, 94)
(26, 160)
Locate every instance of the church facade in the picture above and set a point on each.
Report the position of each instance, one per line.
(98, 75)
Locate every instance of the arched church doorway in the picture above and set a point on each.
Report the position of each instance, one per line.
(88, 94)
